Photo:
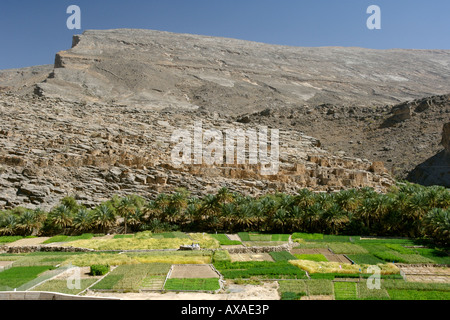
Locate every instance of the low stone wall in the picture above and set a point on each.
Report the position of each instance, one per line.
(284, 247)
(37, 295)
(422, 265)
(29, 249)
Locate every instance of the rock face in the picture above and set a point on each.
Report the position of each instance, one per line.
(446, 138)
(23, 81)
(51, 148)
(399, 113)
(161, 69)
(435, 170)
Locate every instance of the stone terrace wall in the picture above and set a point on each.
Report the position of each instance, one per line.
(6, 249)
(284, 247)
(26, 295)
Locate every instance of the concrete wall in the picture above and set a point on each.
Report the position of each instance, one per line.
(37, 295)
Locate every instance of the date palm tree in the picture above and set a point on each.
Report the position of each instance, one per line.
(61, 217)
(304, 198)
(296, 218)
(224, 196)
(126, 210)
(437, 225)
(83, 220)
(176, 208)
(244, 217)
(312, 215)
(103, 217)
(279, 220)
(8, 225)
(210, 206)
(227, 216)
(192, 211)
(334, 219)
(136, 219)
(27, 222)
(347, 200)
(418, 208)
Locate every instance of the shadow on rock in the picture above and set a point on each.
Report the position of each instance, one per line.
(434, 171)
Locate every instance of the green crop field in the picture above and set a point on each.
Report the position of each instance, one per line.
(18, 276)
(418, 295)
(62, 238)
(364, 293)
(365, 258)
(259, 270)
(307, 236)
(192, 284)
(61, 286)
(345, 291)
(138, 262)
(346, 248)
(224, 241)
(311, 257)
(253, 237)
(131, 277)
(282, 256)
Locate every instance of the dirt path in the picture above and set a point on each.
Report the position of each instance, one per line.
(233, 237)
(28, 242)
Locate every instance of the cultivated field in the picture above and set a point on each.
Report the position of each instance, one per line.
(315, 267)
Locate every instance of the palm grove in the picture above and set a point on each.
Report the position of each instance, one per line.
(406, 210)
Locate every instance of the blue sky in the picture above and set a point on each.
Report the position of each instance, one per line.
(32, 31)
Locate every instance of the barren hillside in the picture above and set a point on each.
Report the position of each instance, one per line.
(99, 122)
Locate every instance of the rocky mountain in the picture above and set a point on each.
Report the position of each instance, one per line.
(50, 148)
(100, 121)
(161, 69)
(403, 136)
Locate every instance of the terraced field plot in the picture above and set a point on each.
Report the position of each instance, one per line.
(311, 251)
(147, 271)
(192, 284)
(236, 257)
(132, 277)
(152, 282)
(327, 254)
(61, 286)
(345, 291)
(312, 257)
(262, 270)
(426, 274)
(18, 276)
(192, 271)
(225, 240)
(337, 258)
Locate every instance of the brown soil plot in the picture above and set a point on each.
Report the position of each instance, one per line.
(193, 271)
(236, 257)
(311, 251)
(337, 258)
